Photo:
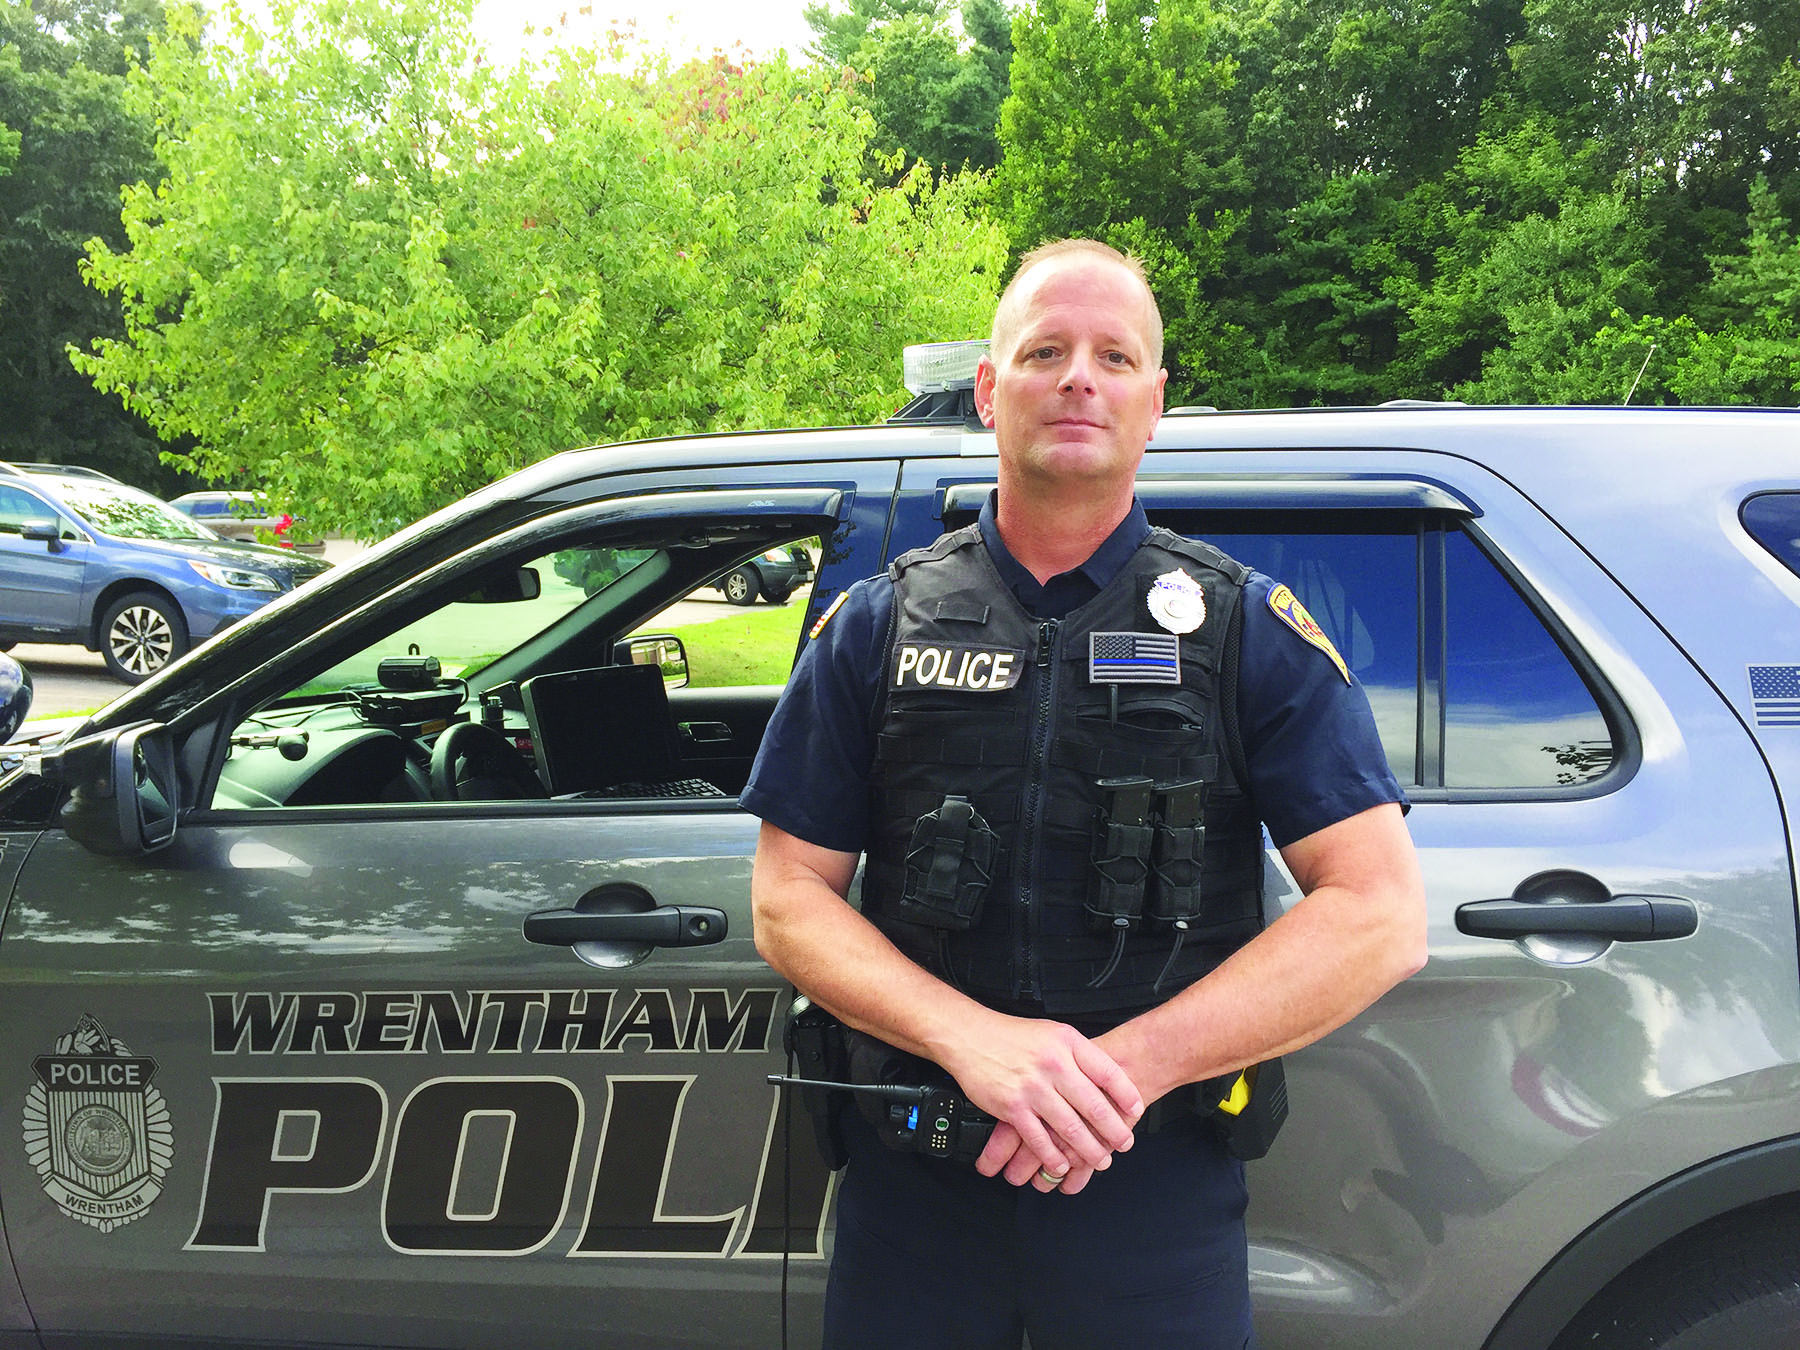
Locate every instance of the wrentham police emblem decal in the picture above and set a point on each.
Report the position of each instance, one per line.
(96, 1130)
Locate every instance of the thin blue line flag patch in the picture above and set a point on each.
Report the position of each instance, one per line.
(1134, 658)
(1775, 695)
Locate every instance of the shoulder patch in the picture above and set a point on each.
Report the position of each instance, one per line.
(1286, 606)
(825, 618)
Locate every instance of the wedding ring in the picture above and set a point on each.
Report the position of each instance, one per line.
(1050, 1179)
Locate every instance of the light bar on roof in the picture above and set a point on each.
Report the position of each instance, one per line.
(935, 367)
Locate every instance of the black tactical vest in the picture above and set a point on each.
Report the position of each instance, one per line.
(1018, 715)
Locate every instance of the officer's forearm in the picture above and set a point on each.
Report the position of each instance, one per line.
(1358, 931)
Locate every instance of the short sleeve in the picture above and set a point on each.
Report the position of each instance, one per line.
(811, 775)
(1309, 737)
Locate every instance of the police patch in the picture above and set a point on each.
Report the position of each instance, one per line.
(1286, 606)
(97, 1132)
(825, 618)
(952, 665)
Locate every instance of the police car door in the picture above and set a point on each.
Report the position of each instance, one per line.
(1599, 842)
(302, 1075)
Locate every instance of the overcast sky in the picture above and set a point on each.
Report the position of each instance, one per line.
(693, 27)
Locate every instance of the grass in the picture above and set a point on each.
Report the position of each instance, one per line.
(750, 646)
(58, 716)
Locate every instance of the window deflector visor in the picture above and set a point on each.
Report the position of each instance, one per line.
(1238, 492)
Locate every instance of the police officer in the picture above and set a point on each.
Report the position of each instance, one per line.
(985, 693)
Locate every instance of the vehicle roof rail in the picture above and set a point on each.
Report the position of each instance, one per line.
(1423, 403)
(66, 470)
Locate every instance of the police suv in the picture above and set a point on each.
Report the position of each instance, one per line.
(380, 973)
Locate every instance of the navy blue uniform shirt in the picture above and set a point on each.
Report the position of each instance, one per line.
(1309, 737)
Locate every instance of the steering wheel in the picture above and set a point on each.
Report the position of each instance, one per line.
(472, 762)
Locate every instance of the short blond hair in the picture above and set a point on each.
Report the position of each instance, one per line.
(1006, 312)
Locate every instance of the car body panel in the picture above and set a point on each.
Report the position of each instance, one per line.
(1445, 1149)
(44, 585)
(16, 1322)
(288, 917)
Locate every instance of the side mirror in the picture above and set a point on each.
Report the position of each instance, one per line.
(655, 649)
(123, 800)
(521, 583)
(44, 531)
(15, 696)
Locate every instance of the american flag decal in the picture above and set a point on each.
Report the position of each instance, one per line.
(1134, 658)
(1775, 694)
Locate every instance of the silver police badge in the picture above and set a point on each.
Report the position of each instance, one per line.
(1177, 602)
(96, 1130)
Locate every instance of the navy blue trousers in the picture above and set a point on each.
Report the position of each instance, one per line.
(931, 1255)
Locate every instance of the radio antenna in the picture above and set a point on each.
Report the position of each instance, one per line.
(1640, 374)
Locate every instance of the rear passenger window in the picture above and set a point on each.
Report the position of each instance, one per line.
(1516, 712)
(1773, 519)
(1363, 588)
(1469, 687)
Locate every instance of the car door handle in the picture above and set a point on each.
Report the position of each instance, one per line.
(664, 926)
(1624, 918)
(705, 733)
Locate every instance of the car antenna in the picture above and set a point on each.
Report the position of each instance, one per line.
(1640, 374)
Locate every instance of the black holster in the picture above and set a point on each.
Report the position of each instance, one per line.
(1247, 1108)
(817, 1047)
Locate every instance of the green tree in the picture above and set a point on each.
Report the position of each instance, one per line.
(842, 33)
(1116, 126)
(67, 146)
(376, 276)
(1750, 351)
(1685, 101)
(1263, 150)
(935, 95)
(1351, 200)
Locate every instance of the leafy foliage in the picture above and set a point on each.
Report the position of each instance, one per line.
(358, 267)
(935, 96)
(67, 143)
(1352, 200)
(377, 275)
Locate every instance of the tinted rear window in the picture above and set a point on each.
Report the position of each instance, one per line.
(1773, 519)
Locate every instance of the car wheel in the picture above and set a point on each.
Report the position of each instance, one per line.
(1732, 1285)
(741, 587)
(140, 634)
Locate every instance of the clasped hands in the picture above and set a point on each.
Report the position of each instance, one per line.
(1065, 1105)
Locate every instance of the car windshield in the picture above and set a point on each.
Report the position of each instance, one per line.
(466, 635)
(130, 514)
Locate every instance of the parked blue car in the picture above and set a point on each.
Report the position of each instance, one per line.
(86, 559)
